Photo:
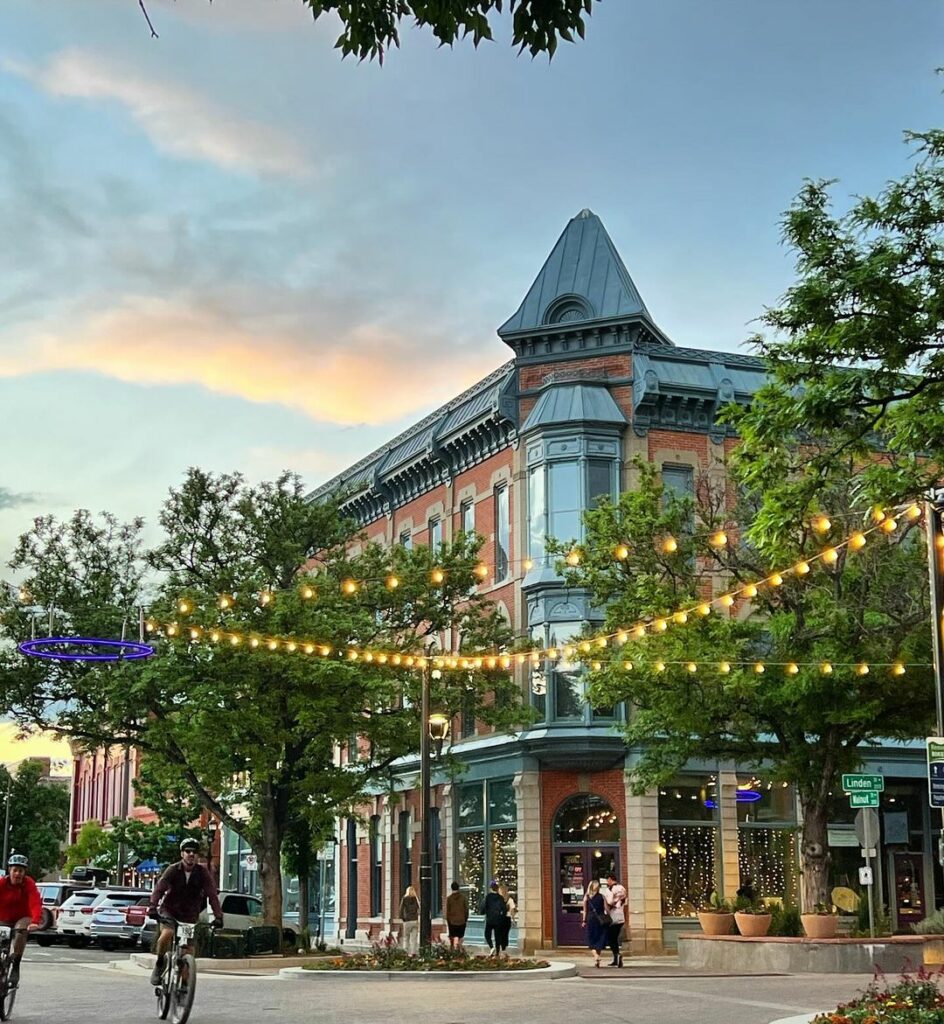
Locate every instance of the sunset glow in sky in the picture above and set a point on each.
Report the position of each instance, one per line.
(227, 247)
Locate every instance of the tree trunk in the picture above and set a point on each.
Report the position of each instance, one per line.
(270, 864)
(304, 884)
(814, 851)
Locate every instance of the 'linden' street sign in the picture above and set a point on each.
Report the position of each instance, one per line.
(936, 770)
(868, 799)
(863, 784)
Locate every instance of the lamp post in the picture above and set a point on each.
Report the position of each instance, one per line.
(435, 728)
(6, 825)
(212, 827)
(934, 527)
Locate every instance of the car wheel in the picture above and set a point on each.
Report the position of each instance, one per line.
(75, 942)
(46, 920)
(109, 945)
(289, 938)
(44, 941)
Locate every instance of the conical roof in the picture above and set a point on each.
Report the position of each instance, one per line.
(583, 279)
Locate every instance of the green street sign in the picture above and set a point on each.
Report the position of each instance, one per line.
(863, 784)
(867, 799)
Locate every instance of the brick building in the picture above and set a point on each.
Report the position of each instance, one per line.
(592, 385)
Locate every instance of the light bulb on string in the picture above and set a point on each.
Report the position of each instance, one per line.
(308, 593)
(857, 542)
(680, 617)
(821, 524)
(622, 552)
(718, 539)
(437, 576)
(913, 512)
(830, 556)
(349, 587)
(724, 667)
(801, 568)
(670, 545)
(392, 582)
(573, 557)
(750, 590)
(826, 668)
(889, 525)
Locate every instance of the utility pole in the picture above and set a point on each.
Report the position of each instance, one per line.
(6, 825)
(934, 526)
(426, 871)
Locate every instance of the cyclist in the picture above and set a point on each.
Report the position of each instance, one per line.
(180, 891)
(21, 907)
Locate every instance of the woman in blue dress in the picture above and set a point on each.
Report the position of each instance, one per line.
(593, 906)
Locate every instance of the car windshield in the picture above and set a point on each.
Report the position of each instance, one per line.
(118, 899)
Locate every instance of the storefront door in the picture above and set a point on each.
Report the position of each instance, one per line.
(908, 888)
(576, 867)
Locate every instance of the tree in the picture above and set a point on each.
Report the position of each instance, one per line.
(858, 343)
(254, 733)
(39, 815)
(93, 846)
(371, 27)
(692, 688)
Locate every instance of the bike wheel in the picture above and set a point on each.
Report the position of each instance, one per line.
(7, 993)
(163, 994)
(183, 990)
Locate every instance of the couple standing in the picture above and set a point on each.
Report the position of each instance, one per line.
(604, 915)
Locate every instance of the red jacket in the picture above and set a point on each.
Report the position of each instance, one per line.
(18, 901)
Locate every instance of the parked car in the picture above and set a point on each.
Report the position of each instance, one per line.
(75, 917)
(240, 913)
(109, 926)
(53, 895)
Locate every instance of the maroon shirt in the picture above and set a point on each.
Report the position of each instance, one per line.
(183, 899)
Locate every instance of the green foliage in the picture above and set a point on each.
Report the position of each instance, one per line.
(806, 727)
(856, 355)
(933, 924)
(785, 920)
(371, 27)
(435, 957)
(916, 999)
(39, 815)
(251, 735)
(93, 846)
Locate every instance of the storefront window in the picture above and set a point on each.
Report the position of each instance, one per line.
(563, 500)
(689, 845)
(537, 514)
(566, 677)
(586, 819)
(486, 847)
(767, 839)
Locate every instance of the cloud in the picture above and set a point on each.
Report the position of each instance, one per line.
(11, 499)
(356, 373)
(178, 120)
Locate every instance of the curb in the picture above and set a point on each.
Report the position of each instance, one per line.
(803, 1018)
(557, 969)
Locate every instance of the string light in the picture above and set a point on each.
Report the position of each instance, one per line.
(670, 545)
(622, 552)
(437, 576)
(573, 558)
(821, 524)
(718, 539)
(308, 593)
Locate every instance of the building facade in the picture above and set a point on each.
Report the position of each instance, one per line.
(593, 384)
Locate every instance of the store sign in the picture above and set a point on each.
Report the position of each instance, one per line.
(936, 771)
(841, 837)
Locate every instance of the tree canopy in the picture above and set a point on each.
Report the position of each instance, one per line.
(857, 343)
(371, 27)
(39, 815)
(692, 687)
(253, 732)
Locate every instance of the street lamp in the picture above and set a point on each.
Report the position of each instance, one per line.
(212, 827)
(428, 724)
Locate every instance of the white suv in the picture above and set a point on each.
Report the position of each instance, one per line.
(242, 912)
(75, 917)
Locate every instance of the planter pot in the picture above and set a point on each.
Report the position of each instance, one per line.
(934, 950)
(753, 925)
(716, 924)
(820, 926)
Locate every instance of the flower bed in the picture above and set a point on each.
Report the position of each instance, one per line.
(916, 999)
(435, 958)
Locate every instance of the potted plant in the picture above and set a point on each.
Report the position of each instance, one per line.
(717, 917)
(822, 923)
(751, 917)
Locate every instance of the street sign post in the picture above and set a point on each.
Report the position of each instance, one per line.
(936, 771)
(866, 827)
(863, 799)
(863, 783)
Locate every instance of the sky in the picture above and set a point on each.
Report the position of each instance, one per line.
(228, 247)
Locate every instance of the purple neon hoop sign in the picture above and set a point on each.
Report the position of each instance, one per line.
(45, 647)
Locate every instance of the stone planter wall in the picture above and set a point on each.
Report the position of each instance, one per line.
(778, 955)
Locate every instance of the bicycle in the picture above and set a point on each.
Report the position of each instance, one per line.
(179, 980)
(7, 988)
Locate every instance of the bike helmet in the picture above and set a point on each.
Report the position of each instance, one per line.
(189, 844)
(18, 860)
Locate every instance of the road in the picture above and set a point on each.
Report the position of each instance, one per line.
(63, 985)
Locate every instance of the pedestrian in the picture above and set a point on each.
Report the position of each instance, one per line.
(494, 909)
(410, 916)
(594, 920)
(457, 916)
(615, 898)
(511, 910)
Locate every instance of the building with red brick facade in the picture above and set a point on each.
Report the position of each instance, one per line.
(593, 385)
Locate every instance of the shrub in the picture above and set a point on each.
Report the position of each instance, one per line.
(931, 925)
(437, 957)
(785, 920)
(916, 999)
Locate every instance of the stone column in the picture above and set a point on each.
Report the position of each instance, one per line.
(527, 786)
(730, 874)
(643, 873)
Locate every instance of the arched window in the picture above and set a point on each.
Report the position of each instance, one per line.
(586, 818)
